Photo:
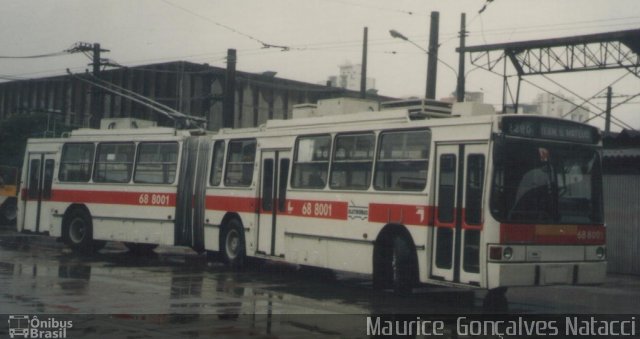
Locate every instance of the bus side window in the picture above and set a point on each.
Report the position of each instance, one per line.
(76, 162)
(402, 161)
(311, 162)
(352, 161)
(216, 163)
(240, 159)
(156, 163)
(114, 162)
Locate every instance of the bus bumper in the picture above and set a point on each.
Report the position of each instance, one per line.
(545, 274)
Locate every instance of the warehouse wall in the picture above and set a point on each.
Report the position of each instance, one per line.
(622, 216)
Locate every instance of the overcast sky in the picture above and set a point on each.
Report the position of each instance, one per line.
(321, 35)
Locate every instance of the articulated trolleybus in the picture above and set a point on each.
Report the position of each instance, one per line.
(476, 200)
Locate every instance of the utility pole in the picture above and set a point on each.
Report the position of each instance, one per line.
(229, 90)
(432, 57)
(463, 34)
(607, 121)
(97, 95)
(363, 71)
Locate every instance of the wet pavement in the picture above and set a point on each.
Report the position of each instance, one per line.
(176, 292)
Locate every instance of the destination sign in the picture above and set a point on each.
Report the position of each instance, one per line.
(553, 129)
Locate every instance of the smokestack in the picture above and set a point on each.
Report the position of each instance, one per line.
(363, 72)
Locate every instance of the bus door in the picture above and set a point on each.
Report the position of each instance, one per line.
(37, 188)
(460, 178)
(273, 190)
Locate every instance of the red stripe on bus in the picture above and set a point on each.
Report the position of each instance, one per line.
(231, 204)
(401, 214)
(114, 197)
(552, 234)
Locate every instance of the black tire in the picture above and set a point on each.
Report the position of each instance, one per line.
(77, 232)
(395, 266)
(8, 212)
(140, 248)
(382, 277)
(232, 244)
(496, 300)
(402, 266)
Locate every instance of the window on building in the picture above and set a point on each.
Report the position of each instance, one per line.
(311, 161)
(156, 163)
(352, 161)
(240, 159)
(75, 163)
(403, 159)
(114, 162)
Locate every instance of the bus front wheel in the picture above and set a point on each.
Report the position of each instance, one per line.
(77, 232)
(496, 300)
(395, 266)
(232, 245)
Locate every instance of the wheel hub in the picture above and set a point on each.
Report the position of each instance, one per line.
(232, 244)
(77, 231)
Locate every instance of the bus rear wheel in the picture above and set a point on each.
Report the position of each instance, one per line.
(232, 245)
(77, 232)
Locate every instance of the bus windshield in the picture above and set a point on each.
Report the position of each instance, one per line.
(545, 182)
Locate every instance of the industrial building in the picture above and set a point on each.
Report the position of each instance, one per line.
(193, 89)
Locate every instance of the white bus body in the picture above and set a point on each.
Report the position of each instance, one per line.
(483, 201)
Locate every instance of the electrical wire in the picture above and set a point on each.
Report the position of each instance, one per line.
(386, 9)
(614, 120)
(614, 106)
(227, 27)
(577, 95)
(593, 96)
(37, 56)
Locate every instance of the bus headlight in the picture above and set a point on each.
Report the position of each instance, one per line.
(601, 252)
(507, 253)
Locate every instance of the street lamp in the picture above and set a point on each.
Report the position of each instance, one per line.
(398, 35)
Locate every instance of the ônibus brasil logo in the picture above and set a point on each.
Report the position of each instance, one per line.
(24, 326)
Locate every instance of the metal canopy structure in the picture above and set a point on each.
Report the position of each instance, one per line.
(603, 51)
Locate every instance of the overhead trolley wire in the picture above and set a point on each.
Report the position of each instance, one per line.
(37, 56)
(614, 120)
(227, 27)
